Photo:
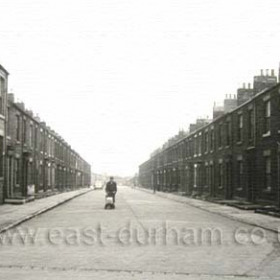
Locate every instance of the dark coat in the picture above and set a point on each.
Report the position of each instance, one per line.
(111, 187)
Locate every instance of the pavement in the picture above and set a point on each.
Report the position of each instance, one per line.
(245, 216)
(13, 215)
(146, 237)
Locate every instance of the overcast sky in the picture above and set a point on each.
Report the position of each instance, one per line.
(117, 78)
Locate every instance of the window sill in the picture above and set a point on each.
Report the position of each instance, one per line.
(239, 143)
(266, 134)
(267, 190)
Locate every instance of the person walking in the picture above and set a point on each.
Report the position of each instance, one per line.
(111, 188)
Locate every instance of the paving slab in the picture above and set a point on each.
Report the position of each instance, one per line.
(245, 216)
(12, 215)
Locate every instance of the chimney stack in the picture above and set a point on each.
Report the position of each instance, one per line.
(21, 105)
(272, 72)
(37, 118)
(29, 112)
(249, 85)
(261, 72)
(244, 85)
(267, 72)
(11, 97)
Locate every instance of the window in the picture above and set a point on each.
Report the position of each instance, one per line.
(49, 176)
(206, 140)
(228, 133)
(36, 137)
(268, 173)
(239, 127)
(195, 145)
(187, 149)
(212, 138)
(8, 121)
(2, 94)
(41, 140)
(50, 146)
(181, 152)
(267, 114)
(24, 131)
(199, 144)
(18, 128)
(250, 125)
(1, 157)
(220, 136)
(191, 147)
(31, 135)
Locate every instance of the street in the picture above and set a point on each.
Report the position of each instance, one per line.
(145, 237)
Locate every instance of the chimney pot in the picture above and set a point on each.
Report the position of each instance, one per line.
(244, 85)
(249, 85)
(261, 72)
(267, 72)
(272, 72)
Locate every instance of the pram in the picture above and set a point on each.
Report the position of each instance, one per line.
(109, 201)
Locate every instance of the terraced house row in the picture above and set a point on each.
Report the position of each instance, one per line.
(35, 160)
(236, 155)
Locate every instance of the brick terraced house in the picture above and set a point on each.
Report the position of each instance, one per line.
(235, 156)
(36, 161)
